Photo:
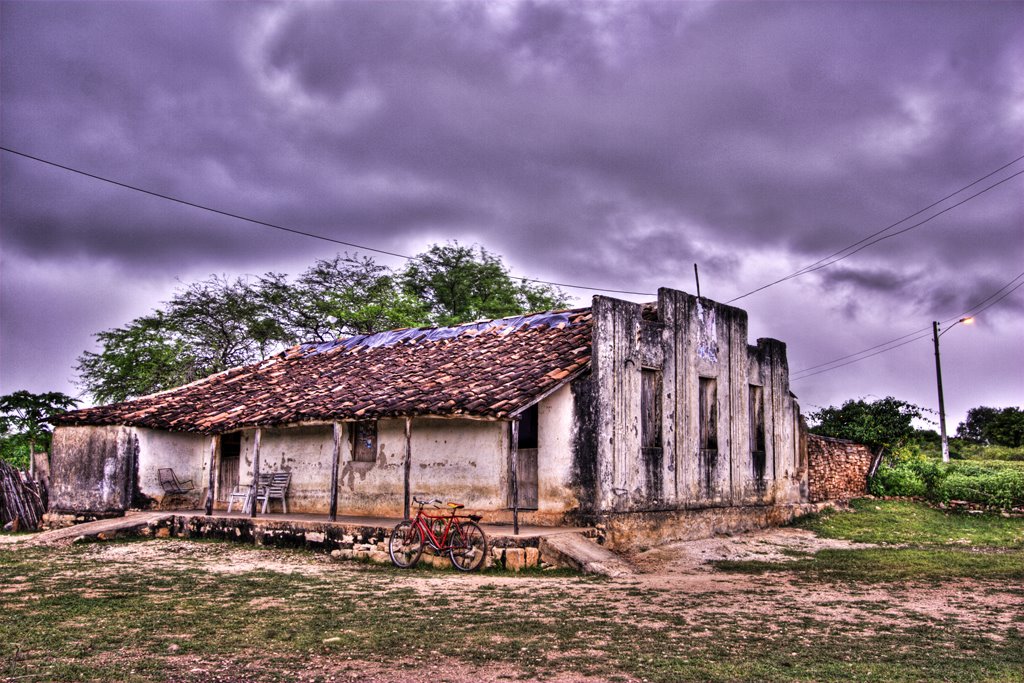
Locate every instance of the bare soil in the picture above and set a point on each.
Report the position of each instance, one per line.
(666, 578)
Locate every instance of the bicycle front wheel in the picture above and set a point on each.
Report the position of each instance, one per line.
(405, 545)
(469, 547)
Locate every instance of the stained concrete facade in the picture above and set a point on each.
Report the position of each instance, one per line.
(102, 470)
(680, 414)
(675, 416)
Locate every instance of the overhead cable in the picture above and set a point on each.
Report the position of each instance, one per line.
(275, 226)
(869, 241)
(818, 265)
(922, 333)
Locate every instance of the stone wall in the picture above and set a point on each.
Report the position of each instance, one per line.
(837, 469)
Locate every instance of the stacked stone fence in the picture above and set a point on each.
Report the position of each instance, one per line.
(837, 469)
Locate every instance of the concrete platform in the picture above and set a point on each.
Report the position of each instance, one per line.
(348, 536)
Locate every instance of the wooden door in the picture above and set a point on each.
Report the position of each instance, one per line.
(230, 465)
(528, 479)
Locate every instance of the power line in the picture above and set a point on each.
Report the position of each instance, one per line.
(821, 263)
(972, 310)
(903, 220)
(1005, 291)
(915, 225)
(275, 226)
(980, 310)
(851, 355)
(857, 360)
(825, 262)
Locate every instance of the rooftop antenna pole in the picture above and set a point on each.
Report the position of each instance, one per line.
(696, 276)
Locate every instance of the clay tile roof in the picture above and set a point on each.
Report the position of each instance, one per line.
(485, 369)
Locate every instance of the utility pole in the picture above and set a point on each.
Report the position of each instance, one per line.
(938, 380)
(942, 404)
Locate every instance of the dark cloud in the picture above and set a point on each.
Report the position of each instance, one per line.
(874, 280)
(607, 143)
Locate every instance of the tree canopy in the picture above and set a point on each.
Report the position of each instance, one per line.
(459, 284)
(219, 323)
(885, 423)
(993, 426)
(23, 428)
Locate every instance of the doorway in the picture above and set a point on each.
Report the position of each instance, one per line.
(230, 465)
(527, 477)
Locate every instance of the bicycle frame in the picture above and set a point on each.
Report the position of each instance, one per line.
(457, 535)
(439, 544)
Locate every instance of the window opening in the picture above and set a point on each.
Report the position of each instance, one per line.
(650, 408)
(528, 428)
(650, 430)
(708, 418)
(364, 435)
(757, 432)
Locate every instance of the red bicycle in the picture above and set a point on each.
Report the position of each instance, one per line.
(458, 535)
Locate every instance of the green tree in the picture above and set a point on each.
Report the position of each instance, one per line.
(23, 428)
(219, 323)
(224, 323)
(206, 327)
(993, 426)
(460, 284)
(885, 423)
(341, 296)
(143, 357)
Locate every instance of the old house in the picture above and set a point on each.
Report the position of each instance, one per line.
(643, 417)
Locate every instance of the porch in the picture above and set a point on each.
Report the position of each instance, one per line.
(349, 537)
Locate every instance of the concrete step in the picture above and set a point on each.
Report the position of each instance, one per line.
(131, 522)
(582, 554)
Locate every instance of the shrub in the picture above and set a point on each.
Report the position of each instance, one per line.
(991, 483)
(901, 479)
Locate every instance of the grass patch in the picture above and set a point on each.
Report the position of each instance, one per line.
(876, 565)
(910, 523)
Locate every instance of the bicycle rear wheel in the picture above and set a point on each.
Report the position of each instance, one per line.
(405, 545)
(469, 547)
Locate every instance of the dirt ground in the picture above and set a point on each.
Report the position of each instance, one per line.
(666, 577)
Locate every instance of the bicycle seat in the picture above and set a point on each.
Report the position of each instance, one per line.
(456, 506)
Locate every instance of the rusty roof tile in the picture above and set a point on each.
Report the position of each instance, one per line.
(484, 369)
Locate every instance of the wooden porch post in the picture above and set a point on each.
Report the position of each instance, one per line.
(408, 463)
(334, 471)
(214, 440)
(255, 471)
(513, 447)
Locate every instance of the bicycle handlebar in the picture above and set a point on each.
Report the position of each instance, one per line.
(436, 501)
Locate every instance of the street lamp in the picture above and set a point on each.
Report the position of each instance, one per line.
(938, 380)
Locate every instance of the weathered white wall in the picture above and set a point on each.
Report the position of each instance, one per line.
(464, 461)
(305, 451)
(554, 456)
(185, 453)
(91, 469)
(459, 460)
(690, 339)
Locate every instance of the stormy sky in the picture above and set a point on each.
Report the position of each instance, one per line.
(610, 145)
